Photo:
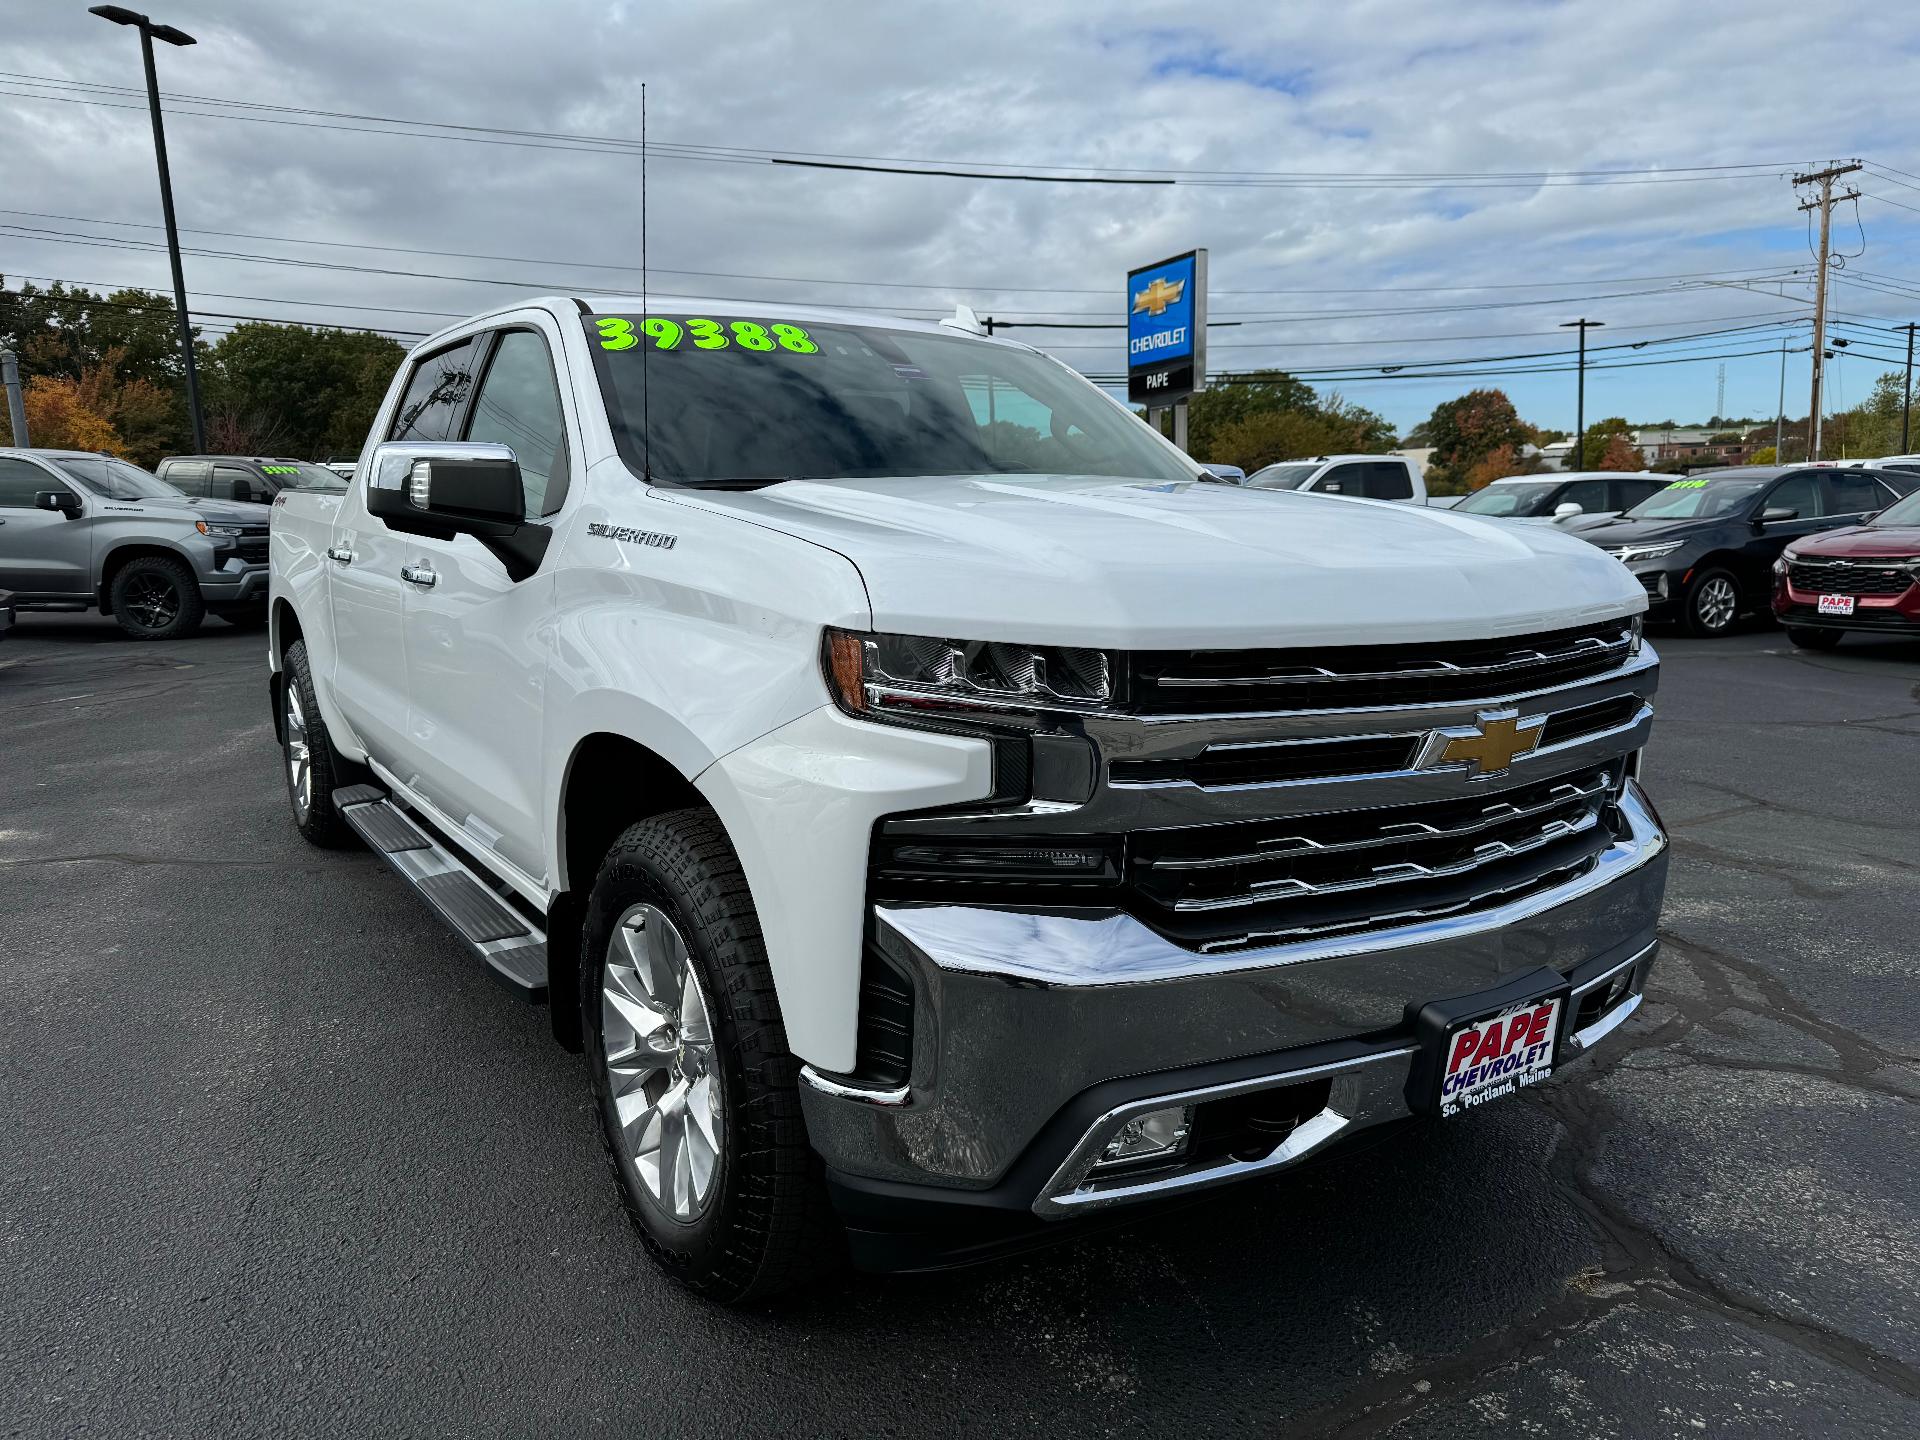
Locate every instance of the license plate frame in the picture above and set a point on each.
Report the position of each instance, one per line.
(1837, 604)
(1457, 1036)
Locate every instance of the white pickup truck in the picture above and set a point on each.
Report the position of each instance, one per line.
(938, 808)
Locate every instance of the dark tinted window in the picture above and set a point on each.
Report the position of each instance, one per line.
(1799, 493)
(20, 481)
(1851, 492)
(1589, 495)
(115, 479)
(1343, 480)
(235, 482)
(519, 406)
(436, 394)
(1388, 481)
(1630, 493)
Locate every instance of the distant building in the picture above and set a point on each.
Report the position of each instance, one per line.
(1420, 455)
(1553, 456)
(1691, 447)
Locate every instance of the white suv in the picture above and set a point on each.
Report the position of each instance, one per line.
(1368, 477)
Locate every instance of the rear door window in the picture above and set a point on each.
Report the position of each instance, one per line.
(1850, 492)
(190, 476)
(232, 482)
(1343, 480)
(436, 397)
(1589, 495)
(1388, 480)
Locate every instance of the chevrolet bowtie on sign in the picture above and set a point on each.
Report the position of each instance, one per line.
(1157, 296)
(1487, 747)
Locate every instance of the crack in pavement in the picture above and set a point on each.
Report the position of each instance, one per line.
(1638, 1265)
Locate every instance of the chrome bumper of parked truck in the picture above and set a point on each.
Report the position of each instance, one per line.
(1018, 1013)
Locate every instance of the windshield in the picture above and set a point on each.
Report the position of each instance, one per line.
(759, 401)
(1282, 477)
(1695, 499)
(117, 480)
(1498, 499)
(1901, 512)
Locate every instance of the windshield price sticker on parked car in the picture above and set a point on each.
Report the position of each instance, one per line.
(700, 333)
(1495, 1057)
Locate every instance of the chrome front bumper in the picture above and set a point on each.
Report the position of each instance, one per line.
(1038, 1034)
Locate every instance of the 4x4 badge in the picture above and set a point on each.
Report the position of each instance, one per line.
(1487, 747)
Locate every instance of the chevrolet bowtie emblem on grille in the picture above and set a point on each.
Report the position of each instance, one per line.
(1155, 299)
(1487, 747)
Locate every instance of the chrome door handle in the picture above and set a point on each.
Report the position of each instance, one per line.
(420, 575)
(340, 553)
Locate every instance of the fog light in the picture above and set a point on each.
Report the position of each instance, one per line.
(1156, 1135)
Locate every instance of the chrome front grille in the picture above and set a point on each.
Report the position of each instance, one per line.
(1856, 577)
(1347, 677)
(1218, 887)
(1325, 806)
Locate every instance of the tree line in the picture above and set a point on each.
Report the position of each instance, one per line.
(104, 372)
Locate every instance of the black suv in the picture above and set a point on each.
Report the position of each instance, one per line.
(1704, 546)
(244, 477)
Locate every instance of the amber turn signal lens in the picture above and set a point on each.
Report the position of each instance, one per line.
(846, 669)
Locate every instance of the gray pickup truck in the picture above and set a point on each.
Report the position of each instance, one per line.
(80, 531)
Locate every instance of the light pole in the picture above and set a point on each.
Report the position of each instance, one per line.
(149, 32)
(1906, 390)
(1580, 391)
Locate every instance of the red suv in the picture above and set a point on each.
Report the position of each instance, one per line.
(1865, 577)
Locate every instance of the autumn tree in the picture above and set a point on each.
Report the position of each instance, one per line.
(1464, 432)
(59, 417)
(1598, 442)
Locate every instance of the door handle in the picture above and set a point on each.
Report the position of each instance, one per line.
(340, 553)
(420, 575)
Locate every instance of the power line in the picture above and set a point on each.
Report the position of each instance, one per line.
(990, 170)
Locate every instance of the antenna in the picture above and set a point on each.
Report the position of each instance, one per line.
(646, 296)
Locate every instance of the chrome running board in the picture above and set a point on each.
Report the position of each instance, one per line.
(512, 946)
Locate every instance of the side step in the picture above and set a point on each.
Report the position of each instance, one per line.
(513, 948)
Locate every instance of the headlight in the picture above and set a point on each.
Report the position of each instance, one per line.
(1628, 554)
(906, 673)
(219, 532)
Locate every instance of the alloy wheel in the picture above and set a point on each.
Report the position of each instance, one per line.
(153, 600)
(1716, 603)
(663, 1074)
(299, 757)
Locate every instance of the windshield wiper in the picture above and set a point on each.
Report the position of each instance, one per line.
(737, 482)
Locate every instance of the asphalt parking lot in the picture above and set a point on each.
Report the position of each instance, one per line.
(281, 1159)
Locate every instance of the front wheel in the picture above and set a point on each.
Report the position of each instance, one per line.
(696, 1088)
(1813, 639)
(155, 598)
(1712, 604)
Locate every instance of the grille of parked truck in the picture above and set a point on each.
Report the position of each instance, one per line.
(936, 806)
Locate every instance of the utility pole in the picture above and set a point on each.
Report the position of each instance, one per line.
(1826, 202)
(16, 403)
(1780, 415)
(120, 15)
(1580, 391)
(1906, 391)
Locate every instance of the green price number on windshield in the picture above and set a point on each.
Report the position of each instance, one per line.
(619, 334)
(1688, 485)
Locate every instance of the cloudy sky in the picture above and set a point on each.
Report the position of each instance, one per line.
(1379, 182)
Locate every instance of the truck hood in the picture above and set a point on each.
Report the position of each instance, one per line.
(1078, 560)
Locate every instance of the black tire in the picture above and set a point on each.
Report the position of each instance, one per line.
(769, 1226)
(155, 598)
(1706, 609)
(316, 819)
(1808, 639)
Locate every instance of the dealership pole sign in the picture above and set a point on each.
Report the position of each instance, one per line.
(1167, 330)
